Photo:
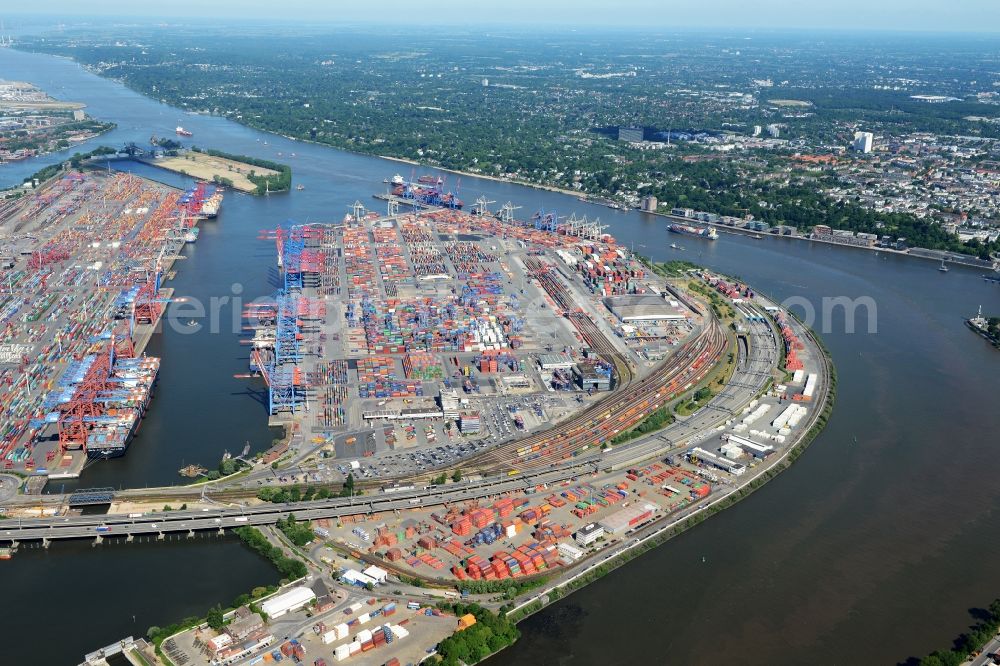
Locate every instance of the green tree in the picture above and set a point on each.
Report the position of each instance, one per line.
(215, 617)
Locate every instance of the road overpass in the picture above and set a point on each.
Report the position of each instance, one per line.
(750, 377)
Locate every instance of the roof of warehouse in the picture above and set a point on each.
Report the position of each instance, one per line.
(620, 519)
(293, 597)
(555, 359)
(642, 306)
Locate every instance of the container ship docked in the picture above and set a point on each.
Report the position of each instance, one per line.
(126, 391)
(202, 202)
(428, 190)
(688, 230)
(110, 438)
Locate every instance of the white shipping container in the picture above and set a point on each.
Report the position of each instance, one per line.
(756, 414)
(356, 607)
(798, 375)
(783, 418)
(810, 386)
(330, 637)
(342, 652)
(363, 636)
(364, 619)
(354, 647)
(342, 630)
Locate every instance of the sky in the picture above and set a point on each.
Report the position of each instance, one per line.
(881, 15)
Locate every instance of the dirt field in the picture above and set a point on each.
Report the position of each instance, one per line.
(206, 167)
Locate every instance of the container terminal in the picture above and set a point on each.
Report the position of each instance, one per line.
(84, 261)
(444, 329)
(440, 339)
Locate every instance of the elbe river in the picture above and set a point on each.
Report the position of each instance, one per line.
(872, 548)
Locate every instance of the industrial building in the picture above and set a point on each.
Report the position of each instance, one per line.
(379, 575)
(751, 447)
(355, 577)
(588, 534)
(726, 465)
(627, 518)
(292, 600)
(630, 134)
(555, 361)
(643, 307)
(470, 423)
(589, 377)
(570, 552)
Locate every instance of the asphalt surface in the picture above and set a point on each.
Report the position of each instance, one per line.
(750, 377)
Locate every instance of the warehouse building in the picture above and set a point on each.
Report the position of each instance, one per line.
(555, 361)
(644, 307)
(588, 378)
(750, 446)
(379, 575)
(292, 600)
(625, 519)
(724, 464)
(356, 578)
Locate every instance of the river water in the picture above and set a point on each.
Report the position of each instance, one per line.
(872, 548)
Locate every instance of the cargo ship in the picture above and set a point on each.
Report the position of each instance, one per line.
(111, 436)
(210, 207)
(183, 132)
(429, 192)
(202, 201)
(688, 230)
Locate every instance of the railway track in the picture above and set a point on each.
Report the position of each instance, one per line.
(598, 423)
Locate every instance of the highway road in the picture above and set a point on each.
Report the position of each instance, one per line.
(750, 377)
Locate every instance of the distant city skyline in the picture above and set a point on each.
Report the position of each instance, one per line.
(884, 15)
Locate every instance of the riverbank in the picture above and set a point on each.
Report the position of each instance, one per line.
(496, 179)
(659, 533)
(933, 255)
(984, 334)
